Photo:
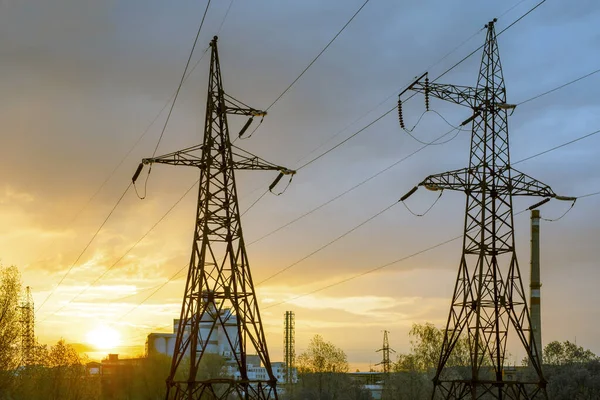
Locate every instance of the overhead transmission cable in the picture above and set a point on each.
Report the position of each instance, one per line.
(187, 64)
(114, 264)
(389, 264)
(387, 112)
(411, 96)
(517, 162)
(343, 235)
(183, 77)
(559, 87)
(318, 55)
(85, 248)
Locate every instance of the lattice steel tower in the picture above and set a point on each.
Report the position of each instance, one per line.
(489, 298)
(385, 349)
(219, 293)
(289, 347)
(27, 328)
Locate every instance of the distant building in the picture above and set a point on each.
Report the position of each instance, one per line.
(220, 340)
(114, 371)
(217, 342)
(371, 381)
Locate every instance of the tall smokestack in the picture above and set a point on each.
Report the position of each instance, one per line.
(535, 335)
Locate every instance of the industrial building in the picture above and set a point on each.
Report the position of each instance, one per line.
(218, 343)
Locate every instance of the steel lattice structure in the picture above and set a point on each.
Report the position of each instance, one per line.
(27, 328)
(385, 349)
(489, 298)
(289, 347)
(219, 292)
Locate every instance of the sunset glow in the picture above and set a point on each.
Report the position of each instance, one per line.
(103, 338)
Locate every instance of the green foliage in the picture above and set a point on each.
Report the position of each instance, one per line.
(10, 290)
(322, 375)
(557, 353)
(426, 345)
(574, 381)
(60, 374)
(322, 356)
(327, 386)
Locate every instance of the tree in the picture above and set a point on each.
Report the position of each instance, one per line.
(413, 371)
(426, 345)
(322, 374)
(556, 353)
(322, 356)
(10, 290)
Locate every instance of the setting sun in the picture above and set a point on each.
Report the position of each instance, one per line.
(103, 338)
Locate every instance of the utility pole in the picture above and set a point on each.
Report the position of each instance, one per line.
(489, 298)
(289, 348)
(219, 291)
(27, 328)
(385, 349)
(535, 337)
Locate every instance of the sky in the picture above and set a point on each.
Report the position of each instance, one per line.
(83, 80)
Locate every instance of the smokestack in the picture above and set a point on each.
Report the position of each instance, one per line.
(535, 335)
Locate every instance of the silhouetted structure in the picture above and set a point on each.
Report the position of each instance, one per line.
(535, 286)
(215, 284)
(27, 328)
(488, 296)
(385, 349)
(289, 347)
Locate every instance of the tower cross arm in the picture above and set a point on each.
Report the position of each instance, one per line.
(524, 185)
(192, 156)
(469, 180)
(451, 180)
(462, 95)
(241, 159)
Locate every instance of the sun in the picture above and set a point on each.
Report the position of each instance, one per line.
(103, 338)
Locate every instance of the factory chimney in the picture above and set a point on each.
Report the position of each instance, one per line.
(535, 334)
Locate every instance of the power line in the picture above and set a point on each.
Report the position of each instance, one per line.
(85, 248)
(372, 122)
(367, 272)
(281, 271)
(125, 254)
(185, 76)
(350, 189)
(182, 78)
(318, 55)
(410, 97)
(558, 147)
(559, 87)
(400, 89)
(359, 275)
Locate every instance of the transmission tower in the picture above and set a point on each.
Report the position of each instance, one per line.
(27, 328)
(289, 347)
(219, 292)
(386, 354)
(489, 298)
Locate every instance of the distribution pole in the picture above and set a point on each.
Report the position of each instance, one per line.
(289, 348)
(535, 338)
(385, 350)
(27, 328)
(219, 292)
(489, 298)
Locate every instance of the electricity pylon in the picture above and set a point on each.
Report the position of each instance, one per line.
(27, 328)
(489, 297)
(219, 292)
(385, 349)
(289, 348)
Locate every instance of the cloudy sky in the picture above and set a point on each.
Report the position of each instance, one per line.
(82, 81)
